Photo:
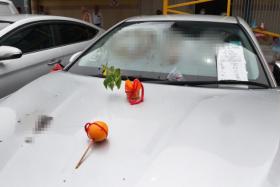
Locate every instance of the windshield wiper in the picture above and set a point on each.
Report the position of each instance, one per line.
(192, 83)
(235, 82)
(124, 77)
(200, 83)
(142, 79)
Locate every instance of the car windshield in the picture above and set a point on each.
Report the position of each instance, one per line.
(175, 51)
(3, 25)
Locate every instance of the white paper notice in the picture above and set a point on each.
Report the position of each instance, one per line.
(231, 63)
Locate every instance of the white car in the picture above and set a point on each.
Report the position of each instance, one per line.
(210, 115)
(7, 8)
(31, 44)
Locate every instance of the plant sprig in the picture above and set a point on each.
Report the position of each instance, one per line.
(112, 77)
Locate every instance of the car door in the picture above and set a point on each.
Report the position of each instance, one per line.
(73, 37)
(38, 46)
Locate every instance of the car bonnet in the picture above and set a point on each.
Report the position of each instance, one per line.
(182, 136)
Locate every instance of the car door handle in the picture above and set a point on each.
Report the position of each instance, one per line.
(53, 62)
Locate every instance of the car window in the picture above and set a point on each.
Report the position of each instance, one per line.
(72, 33)
(30, 39)
(175, 50)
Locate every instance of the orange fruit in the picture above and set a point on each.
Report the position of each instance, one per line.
(97, 131)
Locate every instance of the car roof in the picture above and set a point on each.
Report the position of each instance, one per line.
(14, 18)
(22, 19)
(204, 18)
(6, 1)
(32, 17)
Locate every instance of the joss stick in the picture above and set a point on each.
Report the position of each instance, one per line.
(81, 160)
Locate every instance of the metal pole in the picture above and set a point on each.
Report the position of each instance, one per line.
(228, 7)
(165, 7)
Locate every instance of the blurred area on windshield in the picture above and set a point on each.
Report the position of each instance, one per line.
(174, 50)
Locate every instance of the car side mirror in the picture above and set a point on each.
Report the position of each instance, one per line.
(75, 56)
(8, 52)
(276, 72)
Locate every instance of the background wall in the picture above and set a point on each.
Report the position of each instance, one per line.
(72, 8)
(259, 11)
(267, 11)
(20, 5)
(112, 14)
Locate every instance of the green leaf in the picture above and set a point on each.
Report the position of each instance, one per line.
(104, 70)
(118, 72)
(112, 77)
(105, 82)
(118, 83)
(117, 77)
(111, 85)
(111, 69)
